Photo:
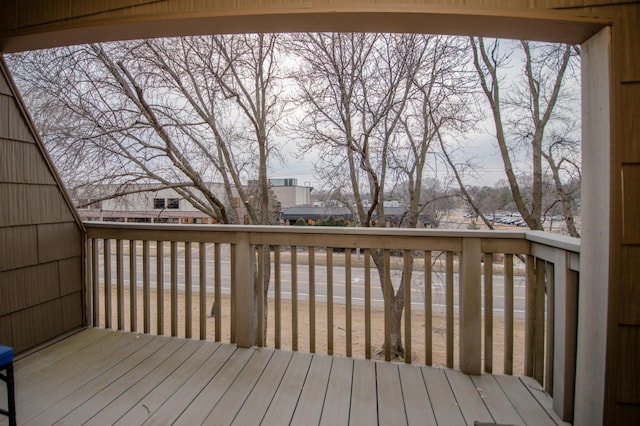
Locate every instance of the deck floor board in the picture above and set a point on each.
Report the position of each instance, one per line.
(336, 407)
(141, 388)
(390, 402)
(285, 400)
(363, 391)
(97, 392)
(498, 404)
(156, 398)
(527, 406)
(263, 393)
(469, 400)
(181, 397)
(309, 408)
(230, 404)
(443, 401)
(414, 393)
(106, 377)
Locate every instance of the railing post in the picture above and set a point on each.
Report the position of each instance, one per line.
(243, 295)
(470, 307)
(564, 336)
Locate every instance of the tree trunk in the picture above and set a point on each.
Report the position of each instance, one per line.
(395, 300)
(256, 290)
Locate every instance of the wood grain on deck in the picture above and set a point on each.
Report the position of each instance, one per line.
(106, 377)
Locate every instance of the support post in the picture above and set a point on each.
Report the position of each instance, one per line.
(470, 307)
(243, 296)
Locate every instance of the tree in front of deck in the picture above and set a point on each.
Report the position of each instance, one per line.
(533, 114)
(371, 106)
(173, 113)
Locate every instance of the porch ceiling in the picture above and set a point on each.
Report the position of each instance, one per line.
(25, 27)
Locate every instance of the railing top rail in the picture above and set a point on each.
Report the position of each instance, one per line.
(554, 240)
(310, 230)
(450, 239)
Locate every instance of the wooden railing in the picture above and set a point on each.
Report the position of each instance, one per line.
(502, 301)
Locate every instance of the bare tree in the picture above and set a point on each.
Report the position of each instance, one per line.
(374, 103)
(523, 118)
(175, 112)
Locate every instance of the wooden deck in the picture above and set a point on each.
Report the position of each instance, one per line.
(105, 377)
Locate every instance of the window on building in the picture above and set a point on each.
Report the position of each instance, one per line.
(158, 203)
(173, 203)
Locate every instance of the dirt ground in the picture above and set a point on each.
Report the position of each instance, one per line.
(438, 331)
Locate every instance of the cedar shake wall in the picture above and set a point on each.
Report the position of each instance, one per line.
(40, 239)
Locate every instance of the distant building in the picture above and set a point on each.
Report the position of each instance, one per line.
(289, 193)
(143, 204)
(165, 205)
(312, 214)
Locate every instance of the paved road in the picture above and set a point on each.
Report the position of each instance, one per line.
(339, 277)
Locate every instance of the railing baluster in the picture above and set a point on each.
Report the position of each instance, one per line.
(488, 312)
(119, 284)
(174, 288)
(508, 313)
(367, 303)
(294, 298)
(348, 303)
(312, 300)
(107, 282)
(387, 305)
(548, 379)
(160, 287)
(217, 292)
(188, 291)
(234, 280)
(95, 281)
(529, 316)
(146, 293)
(406, 278)
(261, 300)
(202, 292)
(538, 361)
(278, 295)
(133, 286)
(449, 307)
(428, 309)
(329, 301)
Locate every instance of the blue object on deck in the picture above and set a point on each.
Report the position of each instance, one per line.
(6, 364)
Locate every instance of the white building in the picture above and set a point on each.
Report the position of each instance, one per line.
(289, 194)
(144, 204)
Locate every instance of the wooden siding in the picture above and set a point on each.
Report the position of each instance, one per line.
(623, 351)
(106, 377)
(40, 237)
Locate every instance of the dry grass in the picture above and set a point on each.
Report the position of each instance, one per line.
(438, 331)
